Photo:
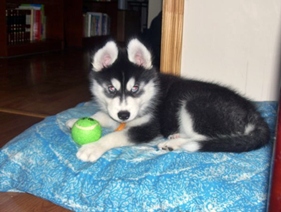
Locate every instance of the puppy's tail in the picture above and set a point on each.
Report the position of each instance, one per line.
(254, 137)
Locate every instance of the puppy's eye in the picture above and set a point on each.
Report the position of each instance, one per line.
(111, 89)
(135, 89)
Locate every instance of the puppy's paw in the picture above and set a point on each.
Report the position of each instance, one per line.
(69, 123)
(174, 136)
(169, 145)
(90, 152)
(180, 143)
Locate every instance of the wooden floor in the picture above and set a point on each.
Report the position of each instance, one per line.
(31, 88)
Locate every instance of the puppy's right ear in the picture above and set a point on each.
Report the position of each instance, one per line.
(105, 56)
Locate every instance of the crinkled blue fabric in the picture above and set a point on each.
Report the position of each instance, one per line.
(42, 161)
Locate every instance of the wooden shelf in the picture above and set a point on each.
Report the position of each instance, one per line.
(54, 29)
(64, 25)
(122, 23)
(74, 17)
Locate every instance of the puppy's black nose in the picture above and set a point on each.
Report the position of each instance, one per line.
(123, 115)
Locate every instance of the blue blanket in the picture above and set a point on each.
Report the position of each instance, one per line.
(42, 161)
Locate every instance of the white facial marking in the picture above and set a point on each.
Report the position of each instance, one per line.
(130, 84)
(149, 91)
(135, 105)
(116, 84)
(129, 104)
(98, 91)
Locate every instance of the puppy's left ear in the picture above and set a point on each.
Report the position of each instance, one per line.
(139, 54)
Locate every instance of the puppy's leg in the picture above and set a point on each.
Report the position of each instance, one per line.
(93, 151)
(105, 120)
(69, 123)
(190, 145)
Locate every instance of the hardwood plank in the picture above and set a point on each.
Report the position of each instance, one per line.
(23, 113)
(12, 125)
(45, 84)
(34, 47)
(11, 202)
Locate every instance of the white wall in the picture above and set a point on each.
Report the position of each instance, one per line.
(236, 43)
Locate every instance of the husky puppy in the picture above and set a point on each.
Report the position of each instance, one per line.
(192, 115)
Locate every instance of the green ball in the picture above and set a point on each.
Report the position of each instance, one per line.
(86, 130)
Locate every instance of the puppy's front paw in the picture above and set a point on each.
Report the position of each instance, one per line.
(69, 123)
(90, 152)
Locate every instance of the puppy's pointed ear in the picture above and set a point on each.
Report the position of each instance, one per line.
(105, 56)
(139, 54)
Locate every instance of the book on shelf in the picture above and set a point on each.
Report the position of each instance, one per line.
(96, 24)
(38, 20)
(26, 23)
(18, 28)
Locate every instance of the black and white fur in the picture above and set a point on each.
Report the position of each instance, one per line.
(193, 115)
